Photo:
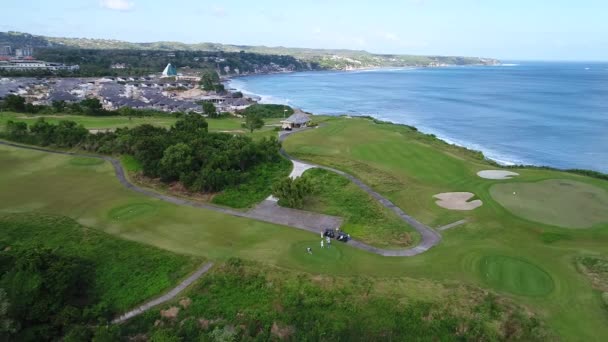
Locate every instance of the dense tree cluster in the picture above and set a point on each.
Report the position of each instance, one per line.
(201, 160)
(210, 80)
(46, 293)
(268, 110)
(141, 63)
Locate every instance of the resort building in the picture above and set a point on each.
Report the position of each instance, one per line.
(31, 64)
(298, 119)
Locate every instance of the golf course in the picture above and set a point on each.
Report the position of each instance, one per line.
(515, 252)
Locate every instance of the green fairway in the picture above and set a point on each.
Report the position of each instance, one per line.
(131, 211)
(515, 276)
(229, 124)
(91, 122)
(86, 161)
(399, 163)
(558, 202)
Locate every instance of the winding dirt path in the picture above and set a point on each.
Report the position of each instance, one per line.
(429, 237)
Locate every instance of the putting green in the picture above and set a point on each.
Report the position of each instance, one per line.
(131, 211)
(515, 276)
(559, 202)
(82, 161)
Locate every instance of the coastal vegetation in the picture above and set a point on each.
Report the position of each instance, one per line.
(364, 218)
(268, 110)
(293, 192)
(287, 305)
(59, 276)
(201, 161)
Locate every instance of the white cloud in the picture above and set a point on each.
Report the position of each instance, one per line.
(218, 11)
(118, 5)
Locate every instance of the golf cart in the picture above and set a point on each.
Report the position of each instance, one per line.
(338, 235)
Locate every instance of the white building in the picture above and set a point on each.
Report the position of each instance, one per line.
(30, 64)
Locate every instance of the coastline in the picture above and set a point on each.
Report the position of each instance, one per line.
(271, 99)
(503, 162)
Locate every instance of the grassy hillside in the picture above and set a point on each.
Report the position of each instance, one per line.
(126, 273)
(324, 58)
(250, 301)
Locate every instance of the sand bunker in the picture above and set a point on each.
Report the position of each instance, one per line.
(457, 201)
(497, 174)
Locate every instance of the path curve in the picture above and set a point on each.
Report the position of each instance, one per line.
(164, 298)
(429, 237)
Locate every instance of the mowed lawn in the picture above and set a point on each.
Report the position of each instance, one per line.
(409, 168)
(229, 124)
(90, 122)
(512, 246)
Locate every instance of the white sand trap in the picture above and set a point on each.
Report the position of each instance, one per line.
(457, 201)
(497, 174)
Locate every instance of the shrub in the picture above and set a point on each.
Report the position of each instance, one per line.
(292, 192)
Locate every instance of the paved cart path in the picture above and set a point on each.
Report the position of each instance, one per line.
(166, 297)
(300, 219)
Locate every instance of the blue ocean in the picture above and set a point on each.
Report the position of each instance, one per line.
(553, 114)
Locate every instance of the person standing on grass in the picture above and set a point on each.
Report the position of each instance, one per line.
(328, 241)
(322, 244)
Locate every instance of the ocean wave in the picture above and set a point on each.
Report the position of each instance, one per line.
(509, 64)
(380, 70)
(263, 98)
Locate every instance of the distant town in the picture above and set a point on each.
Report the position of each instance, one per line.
(21, 59)
(167, 90)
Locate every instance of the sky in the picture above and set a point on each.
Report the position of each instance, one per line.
(504, 29)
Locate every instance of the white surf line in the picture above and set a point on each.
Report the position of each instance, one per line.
(164, 298)
(452, 225)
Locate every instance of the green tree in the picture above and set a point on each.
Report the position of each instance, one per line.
(209, 109)
(14, 103)
(58, 106)
(177, 160)
(106, 334)
(43, 132)
(164, 335)
(209, 80)
(92, 106)
(252, 122)
(293, 192)
(16, 130)
(46, 291)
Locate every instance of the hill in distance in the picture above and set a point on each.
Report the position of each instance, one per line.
(326, 58)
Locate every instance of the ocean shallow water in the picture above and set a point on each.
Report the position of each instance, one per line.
(539, 113)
